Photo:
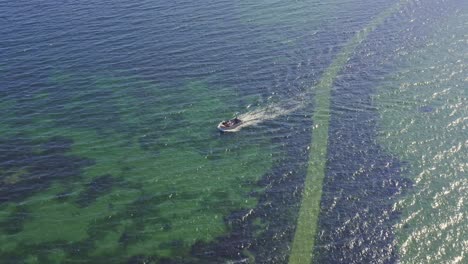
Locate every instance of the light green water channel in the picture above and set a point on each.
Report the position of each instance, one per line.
(304, 238)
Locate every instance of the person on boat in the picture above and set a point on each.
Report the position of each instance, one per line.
(231, 122)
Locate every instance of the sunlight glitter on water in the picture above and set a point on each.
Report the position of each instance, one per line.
(433, 226)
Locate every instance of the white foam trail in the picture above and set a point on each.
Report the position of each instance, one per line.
(262, 114)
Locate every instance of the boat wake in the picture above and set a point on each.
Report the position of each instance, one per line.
(262, 114)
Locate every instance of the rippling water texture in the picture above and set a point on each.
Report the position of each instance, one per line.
(355, 150)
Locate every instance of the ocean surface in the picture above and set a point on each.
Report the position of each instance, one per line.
(353, 149)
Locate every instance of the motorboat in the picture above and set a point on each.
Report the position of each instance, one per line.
(229, 125)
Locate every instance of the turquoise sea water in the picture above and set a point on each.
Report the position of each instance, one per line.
(355, 150)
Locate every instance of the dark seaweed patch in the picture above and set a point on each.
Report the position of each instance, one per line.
(56, 145)
(14, 222)
(81, 251)
(26, 169)
(174, 244)
(99, 186)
